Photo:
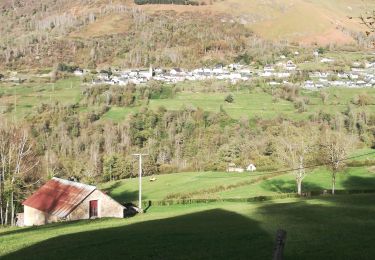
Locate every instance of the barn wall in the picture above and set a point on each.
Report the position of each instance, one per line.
(34, 217)
(107, 207)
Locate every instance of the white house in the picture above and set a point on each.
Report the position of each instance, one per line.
(251, 168)
(78, 72)
(290, 65)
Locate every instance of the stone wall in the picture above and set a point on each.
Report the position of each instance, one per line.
(34, 217)
(107, 207)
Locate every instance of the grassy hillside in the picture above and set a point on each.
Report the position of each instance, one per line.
(218, 230)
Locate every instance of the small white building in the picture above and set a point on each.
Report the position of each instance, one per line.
(290, 65)
(251, 168)
(78, 72)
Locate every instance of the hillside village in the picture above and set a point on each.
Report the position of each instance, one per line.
(361, 75)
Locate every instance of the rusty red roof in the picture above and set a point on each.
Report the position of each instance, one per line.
(59, 197)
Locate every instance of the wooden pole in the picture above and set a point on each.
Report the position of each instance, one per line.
(278, 253)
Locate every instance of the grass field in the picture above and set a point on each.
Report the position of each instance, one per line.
(339, 227)
(220, 185)
(30, 95)
(251, 104)
(219, 230)
(166, 184)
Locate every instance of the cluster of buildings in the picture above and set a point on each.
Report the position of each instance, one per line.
(274, 74)
(233, 73)
(357, 77)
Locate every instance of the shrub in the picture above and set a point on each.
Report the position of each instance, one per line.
(229, 98)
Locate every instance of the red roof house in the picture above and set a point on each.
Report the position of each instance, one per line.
(59, 200)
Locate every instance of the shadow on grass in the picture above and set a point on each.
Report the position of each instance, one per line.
(289, 186)
(212, 234)
(123, 197)
(360, 183)
(334, 227)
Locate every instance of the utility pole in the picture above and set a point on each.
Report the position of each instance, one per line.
(140, 180)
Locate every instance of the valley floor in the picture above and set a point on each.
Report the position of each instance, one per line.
(324, 227)
(339, 227)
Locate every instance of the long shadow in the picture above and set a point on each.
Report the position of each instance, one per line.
(289, 186)
(212, 234)
(335, 227)
(360, 183)
(123, 197)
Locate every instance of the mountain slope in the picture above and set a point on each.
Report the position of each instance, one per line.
(95, 33)
(305, 21)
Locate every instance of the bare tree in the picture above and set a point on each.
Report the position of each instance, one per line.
(296, 148)
(335, 147)
(16, 163)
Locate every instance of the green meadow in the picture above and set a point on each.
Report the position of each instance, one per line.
(340, 227)
(26, 96)
(222, 185)
(252, 104)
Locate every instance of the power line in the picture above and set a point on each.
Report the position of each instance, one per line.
(318, 165)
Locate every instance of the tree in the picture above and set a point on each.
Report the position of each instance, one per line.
(229, 98)
(17, 161)
(334, 148)
(363, 99)
(296, 147)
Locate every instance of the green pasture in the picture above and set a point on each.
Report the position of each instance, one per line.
(220, 185)
(339, 227)
(27, 96)
(255, 103)
(166, 184)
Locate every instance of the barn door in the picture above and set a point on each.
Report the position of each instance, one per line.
(93, 208)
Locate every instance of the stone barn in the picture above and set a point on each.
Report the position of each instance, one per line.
(63, 200)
